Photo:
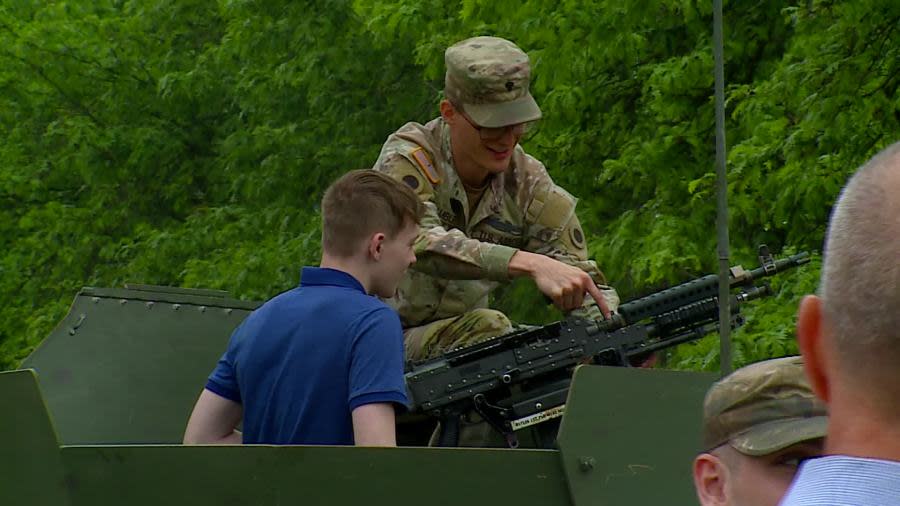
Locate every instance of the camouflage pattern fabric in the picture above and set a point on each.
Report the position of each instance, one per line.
(463, 257)
(430, 340)
(762, 408)
(489, 77)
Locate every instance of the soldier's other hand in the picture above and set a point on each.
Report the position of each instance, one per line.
(564, 284)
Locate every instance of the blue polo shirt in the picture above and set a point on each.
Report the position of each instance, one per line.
(303, 361)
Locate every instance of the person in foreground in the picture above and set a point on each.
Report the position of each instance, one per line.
(323, 363)
(759, 423)
(849, 337)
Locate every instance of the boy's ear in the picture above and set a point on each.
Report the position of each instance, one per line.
(376, 246)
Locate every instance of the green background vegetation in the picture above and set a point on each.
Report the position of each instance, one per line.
(186, 142)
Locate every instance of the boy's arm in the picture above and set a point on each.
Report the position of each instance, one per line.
(373, 425)
(214, 421)
(376, 380)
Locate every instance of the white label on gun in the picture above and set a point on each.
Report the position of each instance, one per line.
(536, 418)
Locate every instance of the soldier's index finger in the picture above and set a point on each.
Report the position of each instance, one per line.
(597, 294)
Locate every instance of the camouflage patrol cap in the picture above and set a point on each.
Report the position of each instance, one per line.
(489, 78)
(762, 408)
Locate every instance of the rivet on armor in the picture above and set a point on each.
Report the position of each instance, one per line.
(586, 464)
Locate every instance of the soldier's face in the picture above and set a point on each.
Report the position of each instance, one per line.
(489, 149)
(396, 256)
(729, 478)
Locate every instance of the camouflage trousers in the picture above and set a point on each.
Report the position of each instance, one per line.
(435, 338)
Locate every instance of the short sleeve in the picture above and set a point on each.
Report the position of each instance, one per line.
(223, 380)
(376, 362)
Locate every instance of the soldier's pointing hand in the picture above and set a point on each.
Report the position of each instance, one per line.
(564, 284)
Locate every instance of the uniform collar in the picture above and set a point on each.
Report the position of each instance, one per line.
(492, 198)
(318, 276)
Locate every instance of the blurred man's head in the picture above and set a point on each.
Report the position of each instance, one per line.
(850, 335)
(758, 424)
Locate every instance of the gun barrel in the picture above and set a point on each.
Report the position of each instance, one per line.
(669, 299)
(780, 265)
(517, 366)
(699, 289)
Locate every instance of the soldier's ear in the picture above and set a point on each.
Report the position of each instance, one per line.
(448, 112)
(710, 480)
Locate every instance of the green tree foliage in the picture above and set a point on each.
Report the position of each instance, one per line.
(188, 143)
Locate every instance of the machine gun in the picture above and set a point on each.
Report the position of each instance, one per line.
(522, 378)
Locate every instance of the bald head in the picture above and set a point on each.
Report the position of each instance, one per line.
(860, 286)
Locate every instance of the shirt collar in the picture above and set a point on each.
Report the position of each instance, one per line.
(840, 479)
(318, 276)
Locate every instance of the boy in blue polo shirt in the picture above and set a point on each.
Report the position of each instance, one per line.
(323, 363)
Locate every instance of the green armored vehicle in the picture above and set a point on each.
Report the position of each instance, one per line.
(99, 416)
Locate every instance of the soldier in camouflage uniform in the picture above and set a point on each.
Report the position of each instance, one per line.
(758, 424)
(492, 211)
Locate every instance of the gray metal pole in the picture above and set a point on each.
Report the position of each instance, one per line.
(722, 195)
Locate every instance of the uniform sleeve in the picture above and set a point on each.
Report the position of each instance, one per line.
(223, 380)
(376, 361)
(555, 231)
(442, 252)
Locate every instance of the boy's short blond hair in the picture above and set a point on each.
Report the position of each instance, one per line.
(361, 203)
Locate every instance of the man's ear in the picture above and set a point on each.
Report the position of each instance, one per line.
(710, 480)
(447, 111)
(810, 340)
(376, 246)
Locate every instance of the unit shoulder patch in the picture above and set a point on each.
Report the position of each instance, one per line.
(425, 165)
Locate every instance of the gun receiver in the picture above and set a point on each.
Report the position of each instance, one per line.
(522, 378)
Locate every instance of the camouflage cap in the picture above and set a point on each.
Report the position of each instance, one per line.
(489, 78)
(762, 408)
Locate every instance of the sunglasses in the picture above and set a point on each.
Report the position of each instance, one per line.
(494, 133)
